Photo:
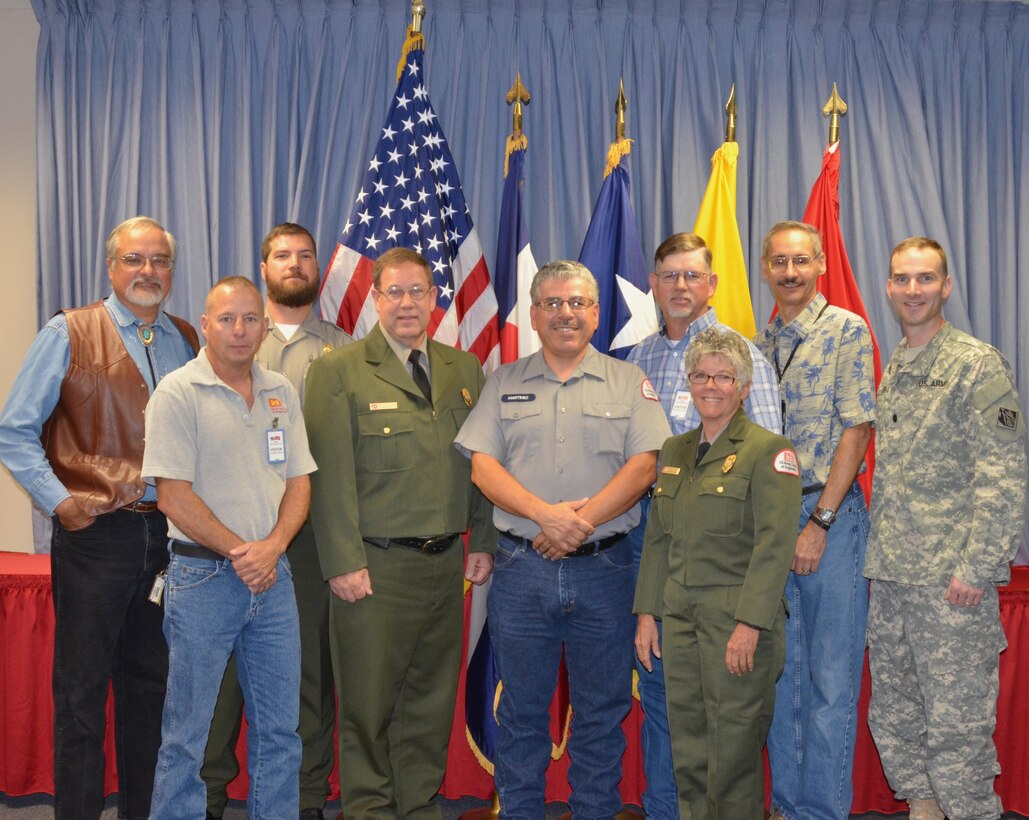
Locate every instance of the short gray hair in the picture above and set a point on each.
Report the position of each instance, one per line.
(791, 225)
(132, 224)
(563, 269)
(728, 344)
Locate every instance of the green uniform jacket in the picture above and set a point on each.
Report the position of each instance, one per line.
(730, 520)
(387, 463)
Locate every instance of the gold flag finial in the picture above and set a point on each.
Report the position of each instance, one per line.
(417, 15)
(834, 109)
(620, 105)
(516, 95)
(730, 115)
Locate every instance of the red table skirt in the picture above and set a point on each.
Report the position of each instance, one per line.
(26, 709)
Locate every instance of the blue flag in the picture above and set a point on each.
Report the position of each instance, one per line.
(613, 253)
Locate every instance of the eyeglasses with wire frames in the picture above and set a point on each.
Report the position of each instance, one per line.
(575, 304)
(690, 277)
(779, 264)
(136, 261)
(395, 293)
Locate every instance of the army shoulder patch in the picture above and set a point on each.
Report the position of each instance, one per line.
(1007, 417)
(786, 463)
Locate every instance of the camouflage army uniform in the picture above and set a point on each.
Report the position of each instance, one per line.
(948, 499)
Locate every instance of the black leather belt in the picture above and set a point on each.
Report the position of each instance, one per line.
(430, 546)
(188, 550)
(812, 488)
(141, 506)
(587, 548)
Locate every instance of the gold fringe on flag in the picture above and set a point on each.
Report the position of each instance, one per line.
(514, 143)
(619, 148)
(414, 39)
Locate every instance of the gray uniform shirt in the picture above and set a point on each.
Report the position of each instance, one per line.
(565, 441)
(198, 429)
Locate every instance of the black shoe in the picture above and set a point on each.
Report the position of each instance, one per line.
(312, 814)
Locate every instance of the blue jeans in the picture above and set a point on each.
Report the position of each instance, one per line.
(661, 797)
(811, 743)
(107, 630)
(536, 606)
(210, 613)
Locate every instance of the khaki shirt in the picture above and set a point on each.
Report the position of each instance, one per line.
(313, 339)
(565, 440)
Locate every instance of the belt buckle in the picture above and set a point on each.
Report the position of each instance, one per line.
(431, 545)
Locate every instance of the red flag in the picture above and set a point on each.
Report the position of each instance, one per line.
(838, 284)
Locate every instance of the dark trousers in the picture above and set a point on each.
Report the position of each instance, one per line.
(107, 630)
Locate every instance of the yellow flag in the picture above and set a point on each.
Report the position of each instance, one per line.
(716, 223)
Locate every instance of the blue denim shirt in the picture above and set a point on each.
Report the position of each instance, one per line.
(37, 389)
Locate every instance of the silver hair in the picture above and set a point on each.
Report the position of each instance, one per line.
(131, 224)
(728, 344)
(564, 269)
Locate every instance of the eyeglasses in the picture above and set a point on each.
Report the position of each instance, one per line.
(576, 303)
(690, 277)
(721, 379)
(396, 293)
(136, 261)
(778, 264)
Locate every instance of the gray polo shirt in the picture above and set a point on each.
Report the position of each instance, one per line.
(564, 441)
(198, 429)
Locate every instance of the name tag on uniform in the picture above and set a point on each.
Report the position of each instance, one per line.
(681, 405)
(276, 446)
(382, 405)
(671, 470)
(507, 397)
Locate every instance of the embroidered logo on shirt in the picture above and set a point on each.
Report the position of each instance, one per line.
(648, 390)
(786, 463)
(1007, 417)
(275, 405)
(932, 382)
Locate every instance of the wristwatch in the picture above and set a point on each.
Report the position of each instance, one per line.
(823, 518)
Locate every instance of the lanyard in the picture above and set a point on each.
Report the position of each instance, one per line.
(781, 371)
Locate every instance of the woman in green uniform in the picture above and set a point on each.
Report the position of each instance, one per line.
(718, 547)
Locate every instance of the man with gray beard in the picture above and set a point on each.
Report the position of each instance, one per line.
(72, 436)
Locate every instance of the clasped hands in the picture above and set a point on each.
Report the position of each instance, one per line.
(562, 529)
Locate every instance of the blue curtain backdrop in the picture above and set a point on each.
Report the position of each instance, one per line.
(223, 117)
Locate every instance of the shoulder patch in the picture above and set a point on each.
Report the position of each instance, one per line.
(648, 390)
(1007, 417)
(786, 463)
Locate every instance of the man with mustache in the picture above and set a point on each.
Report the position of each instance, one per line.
(564, 443)
(296, 337)
(823, 358)
(72, 436)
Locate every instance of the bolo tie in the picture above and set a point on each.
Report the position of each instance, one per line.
(146, 336)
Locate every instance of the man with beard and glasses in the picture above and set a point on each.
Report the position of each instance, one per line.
(296, 337)
(72, 436)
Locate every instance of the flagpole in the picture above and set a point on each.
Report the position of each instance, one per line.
(834, 108)
(730, 115)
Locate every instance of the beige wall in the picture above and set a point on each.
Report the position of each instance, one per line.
(19, 33)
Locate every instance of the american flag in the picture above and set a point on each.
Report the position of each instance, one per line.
(411, 197)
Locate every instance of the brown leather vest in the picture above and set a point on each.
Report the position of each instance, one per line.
(94, 437)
